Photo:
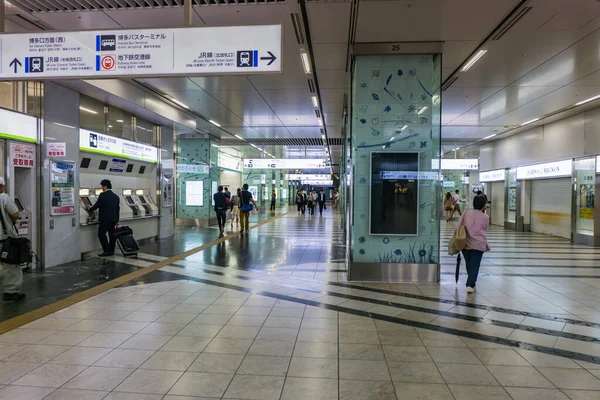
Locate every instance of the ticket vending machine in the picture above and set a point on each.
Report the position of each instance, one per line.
(145, 208)
(87, 200)
(128, 203)
(23, 224)
(147, 200)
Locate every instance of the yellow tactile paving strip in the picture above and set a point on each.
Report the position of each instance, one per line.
(41, 312)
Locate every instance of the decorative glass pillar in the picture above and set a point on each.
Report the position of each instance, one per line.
(395, 190)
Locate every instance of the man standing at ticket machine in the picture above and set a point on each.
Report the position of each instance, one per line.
(108, 204)
(13, 274)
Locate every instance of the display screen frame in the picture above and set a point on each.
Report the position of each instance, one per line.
(415, 200)
(86, 201)
(130, 200)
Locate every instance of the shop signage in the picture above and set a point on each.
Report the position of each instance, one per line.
(228, 162)
(456, 164)
(62, 181)
(95, 142)
(286, 163)
(22, 155)
(318, 183)
(546, 170)
(307, 177)
(448, 184)
(492, 176)
(56, 149)
(422, 175)
(18, 126)
(142, 52)
(193, 168)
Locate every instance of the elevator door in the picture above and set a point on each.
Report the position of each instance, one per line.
(497, 203)
(551, 207)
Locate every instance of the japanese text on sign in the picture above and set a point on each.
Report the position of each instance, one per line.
(22, 155)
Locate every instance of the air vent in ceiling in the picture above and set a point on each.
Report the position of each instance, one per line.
(322, 131)
(449, 83)
(318, 113)
(510, 23)
(283, 142)
(297, 27)
(311, 85)
(44, 6)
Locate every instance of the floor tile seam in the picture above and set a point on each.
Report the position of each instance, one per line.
(43, 311)
(526, 275)
(453, 331)
(427, 298)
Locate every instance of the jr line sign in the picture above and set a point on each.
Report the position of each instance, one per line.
(141, 52)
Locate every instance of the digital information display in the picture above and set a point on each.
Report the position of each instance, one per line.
(394, 197)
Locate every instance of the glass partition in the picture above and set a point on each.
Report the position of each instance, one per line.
(585, 191)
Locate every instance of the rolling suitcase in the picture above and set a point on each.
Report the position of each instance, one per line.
(127, 243)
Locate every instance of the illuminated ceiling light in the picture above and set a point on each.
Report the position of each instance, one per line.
(120, 120)
(392, 138)
(491, 136)
(214, 145)
(88, 110)
(320, 122)
(315, 101)
(179, 103)
(529, 122)
(305, 62)
(422, 110)
(110, 126)
(588, 100)
(239, 137)
(403, 128)
(473, 60)
(214, 123)
(456, 149)
(66, 126)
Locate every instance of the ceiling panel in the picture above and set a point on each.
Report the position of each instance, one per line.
(78, 20)
(168, 17)
(329, 22)
(220, 83)
(429, 20)
(330, 55)
(248, 105)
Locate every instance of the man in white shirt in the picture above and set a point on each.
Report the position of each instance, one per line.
(13, 274)
(457, 202)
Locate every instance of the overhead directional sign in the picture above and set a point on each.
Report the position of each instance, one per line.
(142, 52)
(286, 163)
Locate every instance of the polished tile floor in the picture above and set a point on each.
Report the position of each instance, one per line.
(270, 315)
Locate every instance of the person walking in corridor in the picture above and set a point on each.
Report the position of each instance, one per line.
(220, 200)
(476, 223)
(321, 202)
(448, 205)
(314, 199)
(12, 273)
(273, 200)
(299, 200)
(246, 202)
(457, 202)
(235, 208)
(109, 205)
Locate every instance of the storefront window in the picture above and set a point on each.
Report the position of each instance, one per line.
(7, 95)
(91, 114)
(119, 123)
(144, 131)
(585, 186)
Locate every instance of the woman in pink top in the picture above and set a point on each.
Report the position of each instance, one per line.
(476, 223)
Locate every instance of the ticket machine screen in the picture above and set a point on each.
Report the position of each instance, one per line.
(143, 200)
(130, 200)
(86, 202)
(19, 204)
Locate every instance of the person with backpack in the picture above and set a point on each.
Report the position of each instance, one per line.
(12, 273)
(246, 202)
(476, 223)
(221, 207)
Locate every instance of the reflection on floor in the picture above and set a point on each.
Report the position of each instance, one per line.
(270, 316)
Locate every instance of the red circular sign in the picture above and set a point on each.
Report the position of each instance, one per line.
(108, 62)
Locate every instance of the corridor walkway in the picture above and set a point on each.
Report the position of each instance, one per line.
(270, 315)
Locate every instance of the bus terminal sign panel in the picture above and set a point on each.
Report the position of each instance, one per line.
(95, 142)
(141, 52)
